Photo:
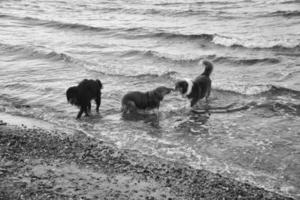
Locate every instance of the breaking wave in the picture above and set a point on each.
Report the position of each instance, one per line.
(237, 43)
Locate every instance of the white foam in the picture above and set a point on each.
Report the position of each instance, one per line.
(255, 42)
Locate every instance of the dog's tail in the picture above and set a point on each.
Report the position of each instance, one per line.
(99, 84)
(208, 68)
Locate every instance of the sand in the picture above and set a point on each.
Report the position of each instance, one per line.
(42, 164)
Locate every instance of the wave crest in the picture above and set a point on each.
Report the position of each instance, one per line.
(166, 35)
(284, 13)
(196, 59)
(31, 52)
(58, 24)
(163, 57)
(117, 73)
(246, 61)
(237, 43)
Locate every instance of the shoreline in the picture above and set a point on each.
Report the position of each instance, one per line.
(40, 164)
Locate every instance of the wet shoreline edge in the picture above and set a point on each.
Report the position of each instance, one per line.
(25, 153)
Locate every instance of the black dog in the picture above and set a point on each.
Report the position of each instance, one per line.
(198, 88)
(133, 101)
(82, 95)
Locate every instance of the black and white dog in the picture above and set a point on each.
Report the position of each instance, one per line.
(134, 101)
(82, 95)
(199, 87)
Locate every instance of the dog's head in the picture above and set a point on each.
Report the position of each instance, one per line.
(99, 84)
(184, 87)
(72, 94)
(162, 91)
(181, 86)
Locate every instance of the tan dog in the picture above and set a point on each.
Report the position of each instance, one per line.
(134, 101)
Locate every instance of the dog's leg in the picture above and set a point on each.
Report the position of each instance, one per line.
(156, 112)
(86, 111)
(124, 109)
(131, 107)
(197, 96)
(80, 113)
(194, 101)
(89, 106)
(208, 93)
(98, 102)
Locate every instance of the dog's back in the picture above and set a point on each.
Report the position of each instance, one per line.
(144, 100)
(89, 88)
(203, 81)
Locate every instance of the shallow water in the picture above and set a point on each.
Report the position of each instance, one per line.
(48, 46)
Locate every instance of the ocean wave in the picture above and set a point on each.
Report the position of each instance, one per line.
(55, 24)
(117, 73)
(246, 61)
(139, 32)
(238, 43)
(31, 52)
(290, 2)
(273, 98)
(165, 75)
(284, 13)
(291, 75)
(275, 107)
(195, 60)
(281, 91)
(163, 57)
(258, 90)
(224, 41)
(64, 25)
(166, 35)
(72, 26)
(193, 2)
(166, 12)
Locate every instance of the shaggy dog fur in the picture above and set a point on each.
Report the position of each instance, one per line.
(82, 95)
(134, 101)
(198, 88)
